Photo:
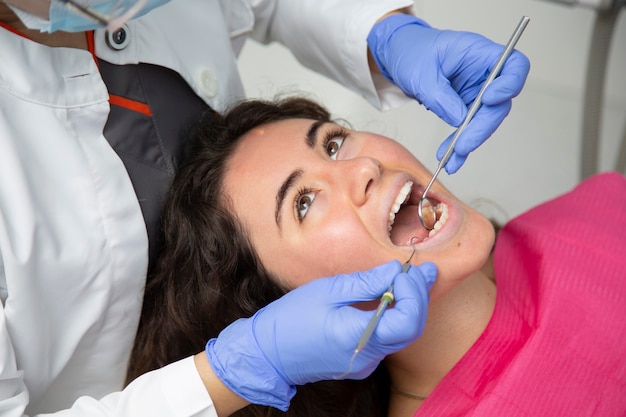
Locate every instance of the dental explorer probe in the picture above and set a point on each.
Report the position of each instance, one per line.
(385, 300)
(470, 114)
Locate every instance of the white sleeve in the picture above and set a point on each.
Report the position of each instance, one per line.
(13, 392)
(175, 390)
(330, 37)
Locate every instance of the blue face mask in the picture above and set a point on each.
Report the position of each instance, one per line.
(83, 15)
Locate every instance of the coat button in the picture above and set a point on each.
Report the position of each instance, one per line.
(208, 83)
(119, 39)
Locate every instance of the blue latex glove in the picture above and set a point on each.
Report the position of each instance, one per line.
(310, 333)
(444, 70)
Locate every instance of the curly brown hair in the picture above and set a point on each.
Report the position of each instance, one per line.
(208, 274)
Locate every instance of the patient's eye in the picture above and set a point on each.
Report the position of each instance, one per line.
(333, 140)
(303, 202)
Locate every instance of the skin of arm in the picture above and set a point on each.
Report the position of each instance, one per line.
(225, 401)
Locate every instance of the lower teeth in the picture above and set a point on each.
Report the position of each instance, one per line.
(442, 216)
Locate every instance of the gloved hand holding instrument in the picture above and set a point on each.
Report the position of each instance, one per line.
(444, 70)
(310, 333)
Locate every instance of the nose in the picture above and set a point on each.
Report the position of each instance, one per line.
(361, 175)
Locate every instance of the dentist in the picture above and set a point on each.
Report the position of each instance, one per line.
(93, 112)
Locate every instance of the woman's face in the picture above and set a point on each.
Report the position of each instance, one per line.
(317, 200)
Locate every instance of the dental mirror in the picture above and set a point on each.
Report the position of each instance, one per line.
(425, 208)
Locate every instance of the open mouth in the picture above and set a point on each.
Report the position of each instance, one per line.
(404, 225)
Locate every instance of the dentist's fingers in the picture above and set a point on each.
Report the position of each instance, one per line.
(405, 322)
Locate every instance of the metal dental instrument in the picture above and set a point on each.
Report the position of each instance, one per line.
(385, 300)
(470, 113)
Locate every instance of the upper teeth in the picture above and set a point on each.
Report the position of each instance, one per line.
(401, 198)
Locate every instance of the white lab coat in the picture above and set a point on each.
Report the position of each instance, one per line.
(73, 244)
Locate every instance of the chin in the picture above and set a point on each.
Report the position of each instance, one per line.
(455, 269)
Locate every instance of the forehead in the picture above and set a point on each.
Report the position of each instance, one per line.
(266, 155)
(272, 142)
(262, 160)
(282, 130)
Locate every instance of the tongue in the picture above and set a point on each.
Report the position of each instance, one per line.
(406, 226)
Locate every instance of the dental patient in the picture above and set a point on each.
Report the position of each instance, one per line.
(277, 194)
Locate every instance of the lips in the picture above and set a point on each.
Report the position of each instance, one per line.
(404, 225)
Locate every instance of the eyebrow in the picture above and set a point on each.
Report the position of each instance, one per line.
(311, 134)
(282, 192)
(311, 140)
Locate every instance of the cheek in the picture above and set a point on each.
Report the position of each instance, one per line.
(338, 249)
(394, 153)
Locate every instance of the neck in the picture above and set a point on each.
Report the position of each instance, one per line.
(56, 39)
(455, 321)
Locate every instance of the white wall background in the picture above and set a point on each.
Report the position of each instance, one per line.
(535, 153)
